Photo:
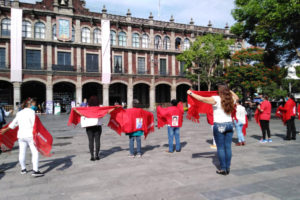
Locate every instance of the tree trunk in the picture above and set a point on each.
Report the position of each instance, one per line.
(208, 85)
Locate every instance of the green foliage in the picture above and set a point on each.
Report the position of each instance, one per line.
(272, 24)
(204, 57)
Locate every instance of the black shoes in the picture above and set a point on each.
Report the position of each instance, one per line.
(97, 158)
(223, 172)
(286, 138)
(23, 171)
(293, 138)
(92, 158)
(37, 174)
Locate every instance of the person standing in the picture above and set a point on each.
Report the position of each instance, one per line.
(223, 108)
(289, 111)
(25, 120)
(94, 130)
(84, 103)
(264, 118)
(240, 122)
(3, 114)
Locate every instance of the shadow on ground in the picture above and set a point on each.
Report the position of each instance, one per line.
(212, 155)
(6, 166)
(62, 163)
(182, 144)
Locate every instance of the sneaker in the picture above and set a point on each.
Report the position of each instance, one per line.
(263, 141)
(130, 156)
(23, 171)
(270, 140)
(243, 143)
(92, 158)
(213, 146)
(139, 155)
(238, 144)
(37, 174)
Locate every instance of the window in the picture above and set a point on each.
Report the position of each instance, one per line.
(113, 39)
(178, 44)
(39, 30)
(157, 42)
(33, 59)
(166, 43)
(135, 40)
(141, 65)
(2, 58)
(92, 63)
(118, 64)
(122, 39)
(145, 41)
(163, 67)
(182, 71)
(54, 37)
(85, 35)
(186, 44)
(64, 58)
(5, 27)
(97, 36)
(26, 29)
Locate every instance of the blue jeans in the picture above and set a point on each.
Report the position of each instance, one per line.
(239, 130)
(174, 131)
(223, 135)
(131, 144)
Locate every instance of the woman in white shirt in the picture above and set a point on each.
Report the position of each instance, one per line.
(25, 120)
(223, 107)
(241, 120)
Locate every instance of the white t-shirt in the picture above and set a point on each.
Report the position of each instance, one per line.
(25, 120)
(241, 113)
(219, 115)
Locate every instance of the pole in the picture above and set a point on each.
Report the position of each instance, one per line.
(198, 82)
(290, 87)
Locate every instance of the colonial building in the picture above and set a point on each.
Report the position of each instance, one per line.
(143, 55)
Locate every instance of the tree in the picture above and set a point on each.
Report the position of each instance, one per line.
(272, 24)
(248, 72)
(204, 57)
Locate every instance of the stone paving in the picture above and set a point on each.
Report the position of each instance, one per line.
(259, 171)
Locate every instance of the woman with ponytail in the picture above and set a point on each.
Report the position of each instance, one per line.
(223, 109)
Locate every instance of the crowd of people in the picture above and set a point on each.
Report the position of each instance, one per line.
(223, 108)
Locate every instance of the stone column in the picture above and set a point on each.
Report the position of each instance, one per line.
(78, 57)
(49, 57)
(129, 93)
(48, 28)
(129, 62)
(17, 93)
(77, 31)
(152, 95)
(129, 36)
(173, 89)
(173, 65)
(78, 90)
(172, 40)
(105, 94)
(151, 38)
(49, 89)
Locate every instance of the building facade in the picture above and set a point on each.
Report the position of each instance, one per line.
(143, 55)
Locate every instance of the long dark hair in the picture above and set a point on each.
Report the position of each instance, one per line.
(93, 101)
(227, 102)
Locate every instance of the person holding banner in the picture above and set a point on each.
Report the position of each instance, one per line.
(264, 114)
(289, 111)
(25, 119)
(223, 110)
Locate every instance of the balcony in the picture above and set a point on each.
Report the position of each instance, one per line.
(65, 68)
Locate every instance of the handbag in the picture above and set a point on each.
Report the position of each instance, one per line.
(87, 122)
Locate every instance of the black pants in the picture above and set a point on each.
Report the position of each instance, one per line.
(291, 129)
(265, 128)
(94, 133)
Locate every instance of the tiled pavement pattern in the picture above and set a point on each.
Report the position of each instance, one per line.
(259, 171)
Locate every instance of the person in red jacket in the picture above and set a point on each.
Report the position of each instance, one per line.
(264, 118)
(289, 110)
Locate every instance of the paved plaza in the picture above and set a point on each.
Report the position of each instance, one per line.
(259, 171)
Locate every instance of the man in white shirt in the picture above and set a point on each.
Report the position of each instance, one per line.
(241, 117)
(25, 120)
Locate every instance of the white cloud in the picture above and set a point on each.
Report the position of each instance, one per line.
(218, 11)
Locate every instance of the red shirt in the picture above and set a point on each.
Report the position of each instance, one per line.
(289, 109)
(266, 113)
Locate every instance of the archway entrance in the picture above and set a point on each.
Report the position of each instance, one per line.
(64, 94)
(181, 94)
(92, 89)
(33, 89)
(141, 92)
(6, 93)
(162, 93)
(117, 93)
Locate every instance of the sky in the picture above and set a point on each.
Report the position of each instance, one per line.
(218, 11)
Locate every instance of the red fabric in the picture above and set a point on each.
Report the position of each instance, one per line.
(289, 109)
(164, 115)
(266, 107)
(8, 139)
(126, 121)
(245, 126)
(42, 138)
(281, 114)
(89, 112)
(299, 111)
(196, 107)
